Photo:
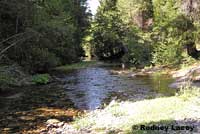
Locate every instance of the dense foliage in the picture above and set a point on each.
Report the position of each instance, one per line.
(108, 31)
(41, 34)
(156, 31)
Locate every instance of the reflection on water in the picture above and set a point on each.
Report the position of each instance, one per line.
(159, 84)
(89, 88)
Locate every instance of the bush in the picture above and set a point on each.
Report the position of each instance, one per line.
(43, 60)
(35, 59)
(41, 79)
(168, 52)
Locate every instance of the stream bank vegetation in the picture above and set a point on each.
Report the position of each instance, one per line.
(121, 117)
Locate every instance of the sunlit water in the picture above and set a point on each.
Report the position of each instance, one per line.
(91, 87)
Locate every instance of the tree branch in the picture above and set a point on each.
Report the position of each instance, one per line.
(13, 44)
(13, 36)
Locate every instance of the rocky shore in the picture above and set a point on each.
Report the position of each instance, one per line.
(189, 76)
(186, 77)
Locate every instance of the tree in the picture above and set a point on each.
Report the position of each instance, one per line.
(108, 31)
(58, 27)
(137, 12)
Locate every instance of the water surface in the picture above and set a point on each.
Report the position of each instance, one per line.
(91, 87)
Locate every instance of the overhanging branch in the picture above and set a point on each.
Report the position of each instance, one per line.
(12, 45)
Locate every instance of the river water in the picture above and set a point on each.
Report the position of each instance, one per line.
(86, 89)
(92, 87)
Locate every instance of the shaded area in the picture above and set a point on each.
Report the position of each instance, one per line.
(28, 112)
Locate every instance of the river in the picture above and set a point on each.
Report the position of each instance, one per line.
(82, 89)
(92, 87)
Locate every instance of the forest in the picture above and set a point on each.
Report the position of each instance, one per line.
(40, 35)
(63, 68)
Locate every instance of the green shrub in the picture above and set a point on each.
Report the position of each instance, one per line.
(168, 52)
(41, 79)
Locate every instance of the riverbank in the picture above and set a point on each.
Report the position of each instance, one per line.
(15, 76)
(48, 108)
(185, 76)
(26, 105)
(27, 111)
(127, 117)
(29, 101)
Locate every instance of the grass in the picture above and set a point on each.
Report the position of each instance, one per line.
(122, 116)
(41, 79)
(83, 64)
